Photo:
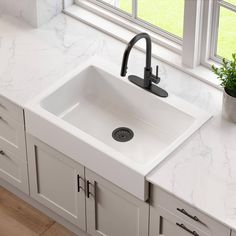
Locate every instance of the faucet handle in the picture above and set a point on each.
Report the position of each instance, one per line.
(156, 79)
(157, 72)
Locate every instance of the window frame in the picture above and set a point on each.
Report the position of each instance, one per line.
(200, 31)
(215, 27)
(133, 18)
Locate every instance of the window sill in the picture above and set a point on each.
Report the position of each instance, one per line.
(170, 55)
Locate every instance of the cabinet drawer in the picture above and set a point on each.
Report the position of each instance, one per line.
(12, 110)
(12, 136)
(186, 212)
(171, 225)
(14, 170)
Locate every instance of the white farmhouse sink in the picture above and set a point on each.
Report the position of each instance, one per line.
(79, 113)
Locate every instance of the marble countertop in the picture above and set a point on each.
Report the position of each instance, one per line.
(201, 172)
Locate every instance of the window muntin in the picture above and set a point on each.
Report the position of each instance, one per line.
(233, 2)
(124, 5)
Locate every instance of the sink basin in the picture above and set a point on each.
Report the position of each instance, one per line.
(81, 115)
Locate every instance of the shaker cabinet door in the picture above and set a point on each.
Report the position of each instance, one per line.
(113, 212)
(56, 181)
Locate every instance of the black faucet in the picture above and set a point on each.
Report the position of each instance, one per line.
(149, 78)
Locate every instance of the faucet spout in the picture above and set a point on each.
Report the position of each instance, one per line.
(148, 80)
(129, 47)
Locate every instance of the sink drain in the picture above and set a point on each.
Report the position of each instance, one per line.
(122, 134)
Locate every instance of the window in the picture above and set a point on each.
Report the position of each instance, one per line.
(198, 30)
(165, 17)
(225, 32)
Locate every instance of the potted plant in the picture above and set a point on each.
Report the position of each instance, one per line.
(227, 74)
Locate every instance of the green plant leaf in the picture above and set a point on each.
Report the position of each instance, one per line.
(227, 74)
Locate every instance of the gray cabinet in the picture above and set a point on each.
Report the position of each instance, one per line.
(13, 170)
(170, 216)
(56, 181)
(13, 161)
(164, 223)
(233, 233)
(112, 211)
(66, 187)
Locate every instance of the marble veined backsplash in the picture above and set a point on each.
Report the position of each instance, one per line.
(35, 12)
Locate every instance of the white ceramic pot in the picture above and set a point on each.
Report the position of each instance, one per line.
(229, 107)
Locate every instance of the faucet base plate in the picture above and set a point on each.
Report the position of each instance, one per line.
(152, 88)
(136, 80)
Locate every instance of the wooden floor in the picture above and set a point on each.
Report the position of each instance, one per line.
(17, 218)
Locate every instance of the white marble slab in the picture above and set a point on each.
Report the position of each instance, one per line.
(201, 172)
(22, 9)
(35, 12)
(47, 9)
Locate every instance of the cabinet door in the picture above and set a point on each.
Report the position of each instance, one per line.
(112, 211)
(56, 181)
(163, 223)
(233, 233)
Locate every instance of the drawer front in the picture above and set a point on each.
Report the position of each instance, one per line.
(12, 110)
(189, 214)
(14, 170)
(171, 225)
(12, 136)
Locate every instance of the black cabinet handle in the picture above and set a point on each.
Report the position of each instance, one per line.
(88, 193)
(87, 189)
(182, 226)
(78, 183)
(195, 218)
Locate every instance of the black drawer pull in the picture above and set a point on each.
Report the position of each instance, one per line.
(195, 218)
(182, 226)
(2, 153)
(78, 183)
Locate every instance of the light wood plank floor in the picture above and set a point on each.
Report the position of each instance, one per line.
(17, 218)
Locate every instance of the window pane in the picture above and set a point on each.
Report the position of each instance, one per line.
(166, 14)
(125, 5)
(227, 33)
